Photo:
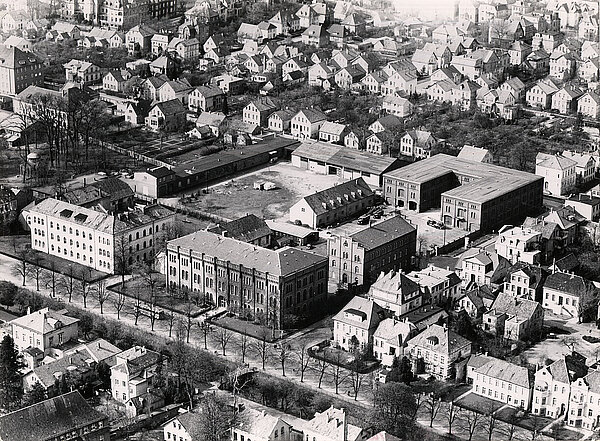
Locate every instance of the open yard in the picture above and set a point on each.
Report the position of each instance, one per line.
(433, 236)
(237, 197)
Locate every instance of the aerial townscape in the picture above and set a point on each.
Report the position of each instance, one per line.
(299, 220)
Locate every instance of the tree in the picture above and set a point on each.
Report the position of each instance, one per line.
(121, 254)
(261, 346)
(355, 374)
(470, 422)
(216, 417)
(85, 275)
(392, 410)
(36, 268)
(322, 366)
(67, 282)
(303, 358)
(51, 279)
(205, 328)
(8, 293)
(587, 306)
(102, 294)
(401, 371)
(338, 377)
(490, 422)
(35, 395)
(508, 430)
(243, 345)
(452, 412)
(11, 385)
(171, 319)
(222, 338)
(283, 355)
(570, 342)
(432, 404)
(22, 268)
(119, 303)
(103, 373)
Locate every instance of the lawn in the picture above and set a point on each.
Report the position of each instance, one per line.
(478, 403)
(248, 328)
(527, 421)
(165, 300)
(564, 434)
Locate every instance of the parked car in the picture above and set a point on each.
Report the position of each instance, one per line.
(363, 220)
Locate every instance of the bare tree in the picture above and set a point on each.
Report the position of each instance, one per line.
(102, 294)
(84, 282)
(119, 301)
(322, 366)
(452, 412)
(243, 345)
(261, 346)
(570, 342)
(283, 355)
(222, 338)
(50, 278)
(137, 305)
(153, 310)
(508, 430)
(36, 269)
(205, 328)
(67, 282)
(149, 277)
(171, 317)
(121, 254)
(189, 308)
(303, 358)
(338, 371)
(490, 422)
(470, 422)
(22, 268)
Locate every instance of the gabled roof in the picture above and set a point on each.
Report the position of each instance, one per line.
(361, 313)
(383, 232)
(555, 162)
(208, 91)
(44, 320)
(473, 153)
(49, 419)
(439, 339)
(258, 423)
(247, 228)
(171, 107)
(332, 128)
(264, 104)
(115, 188)
(396, 283)
(394, 331)
(344, 193)
(518, 307)
(508, 372)
(567, 283)
(313, 115)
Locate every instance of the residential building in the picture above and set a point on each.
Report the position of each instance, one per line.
(139, 39)
(438, 285)
(585, 169)
(417, 143)
(439, 349)
(502, 381)
(559, 173)
(565, 99)
(474, 302)
(332, 132)
(519, 244)
(83, 72)
(455, 184)
(524, 280)
(514, 318)
(334, 204)
(307, 122)
(92, 238)
(315, 35)
(67, 416)
(176, 89)
(396, 105)
(168, 116)
(248, 280)
(258, 111)
(586, 205)
(390, 338)
(78, 367)
(44, 329)
(356, 323)
(476, 154)
(281, 120)
(480, 267)
(261, 426)
(540, 95)
(133, 373)
(332, 425)
(19, 70)
(206, 99)
(566, 294)
(396, 293)
(552, 385)
(185, 426)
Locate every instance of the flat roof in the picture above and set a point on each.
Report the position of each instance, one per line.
(489, 180)
(341, 156)
(289, 229)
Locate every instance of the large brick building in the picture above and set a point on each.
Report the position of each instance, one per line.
(472, 195)
(360, 257)
(249, 280)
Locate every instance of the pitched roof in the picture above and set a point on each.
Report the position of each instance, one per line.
(333, 128)
(473, 153)
(264, 104)
(567, 283)
(247, 228)
(114, 187)
(76, 364)
(170, 107)
(44, 320)
(49, 419)
(258, 423)
(313, 115)
(394, 331)
(505, 371)
(383, 232)
(439, 339)
(341, 194)
(277, 262)
(329, 424)
(518, 307)
(395, 283)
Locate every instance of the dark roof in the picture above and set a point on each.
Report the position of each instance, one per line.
(383, 232)
(160, 172)
(537, 275)
(49, 419)
(566, 283)
(247, 229)
(344, 193)
(171, 107)
(115, 188)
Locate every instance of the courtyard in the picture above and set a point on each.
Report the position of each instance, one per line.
(237, 197)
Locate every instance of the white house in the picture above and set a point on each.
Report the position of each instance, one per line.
(559, 173)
